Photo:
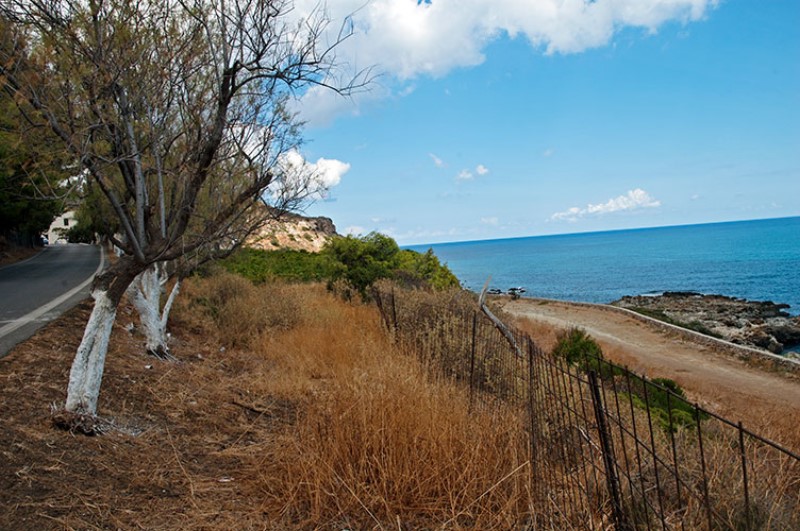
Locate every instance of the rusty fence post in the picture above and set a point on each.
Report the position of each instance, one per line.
(472, 358)
(742, 450)
(609, 462)
(394, 312)
(532, 414)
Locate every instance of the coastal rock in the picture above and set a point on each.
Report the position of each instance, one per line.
(295, 232)
(760, 324)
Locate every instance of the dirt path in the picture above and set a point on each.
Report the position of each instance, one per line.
(765, 401)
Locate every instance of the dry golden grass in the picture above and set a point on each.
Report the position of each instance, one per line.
(372, 439)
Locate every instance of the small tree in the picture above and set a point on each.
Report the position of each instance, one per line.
(177, 113)
(360, 261)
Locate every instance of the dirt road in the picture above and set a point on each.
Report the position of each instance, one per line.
(765, 401)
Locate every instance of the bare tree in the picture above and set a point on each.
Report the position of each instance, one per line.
(177, 112)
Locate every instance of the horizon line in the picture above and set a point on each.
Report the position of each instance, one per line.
(600, 231)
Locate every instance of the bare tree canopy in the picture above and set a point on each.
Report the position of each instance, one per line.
(177, 111)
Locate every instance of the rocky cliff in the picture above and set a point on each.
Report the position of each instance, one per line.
(758, 324)
(294, 232)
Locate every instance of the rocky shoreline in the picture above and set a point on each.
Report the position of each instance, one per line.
(760, 324)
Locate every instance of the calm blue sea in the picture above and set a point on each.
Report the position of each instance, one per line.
(757, 260)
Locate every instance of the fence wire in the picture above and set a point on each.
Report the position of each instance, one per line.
(608, 447)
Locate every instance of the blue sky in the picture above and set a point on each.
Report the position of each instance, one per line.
(521, 118)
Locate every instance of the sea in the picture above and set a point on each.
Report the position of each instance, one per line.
(755, 260)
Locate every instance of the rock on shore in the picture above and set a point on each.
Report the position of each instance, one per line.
(760, 324)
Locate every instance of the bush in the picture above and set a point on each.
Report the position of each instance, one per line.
(422, 270)
(662, 403)
(297, 266)
(580, 349)
(360, 261)
(575, 346)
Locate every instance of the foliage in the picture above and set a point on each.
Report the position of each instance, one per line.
(30, 180)
(579, 348)
(664, 398)
(260, 266)
(362, 260)
(424, 268)
(356, 262)
(666, 401)
(94, 216)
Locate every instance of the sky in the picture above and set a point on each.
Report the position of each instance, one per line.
(520, 118)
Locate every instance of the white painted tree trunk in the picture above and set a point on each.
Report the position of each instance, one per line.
(145, 293)
(86, 374)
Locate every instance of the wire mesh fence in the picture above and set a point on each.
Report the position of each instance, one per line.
(608, 448)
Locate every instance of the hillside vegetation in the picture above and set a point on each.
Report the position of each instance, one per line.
(349, 264)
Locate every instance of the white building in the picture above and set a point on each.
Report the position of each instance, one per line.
(60, 226)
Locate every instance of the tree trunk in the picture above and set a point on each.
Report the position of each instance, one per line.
(145, 293)
(86, 373)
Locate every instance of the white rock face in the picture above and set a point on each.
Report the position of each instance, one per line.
(294, 232)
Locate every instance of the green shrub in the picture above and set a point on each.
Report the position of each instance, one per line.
(296, 266)
(423, 269)
(659, 396)
(351, 263)
(360, 261)
(580, 349)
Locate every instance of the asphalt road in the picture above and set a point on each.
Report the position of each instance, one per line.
(36, 291)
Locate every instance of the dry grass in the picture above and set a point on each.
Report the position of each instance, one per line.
(663, 476)
(242, 312)
(376, 442)
(291, 409)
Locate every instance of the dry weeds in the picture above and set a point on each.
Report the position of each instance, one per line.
(288, 409)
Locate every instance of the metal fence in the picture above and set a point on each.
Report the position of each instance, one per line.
(608, 448)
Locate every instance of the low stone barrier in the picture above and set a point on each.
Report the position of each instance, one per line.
(749, 354)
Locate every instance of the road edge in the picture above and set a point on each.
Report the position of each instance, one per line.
(61, 299)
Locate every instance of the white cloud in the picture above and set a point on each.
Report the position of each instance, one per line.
(633, 200)
(548, 152)
(464, 175)
(468, 175)
(493, 221)
(406, 39)
(436, 160)
(315, 178)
